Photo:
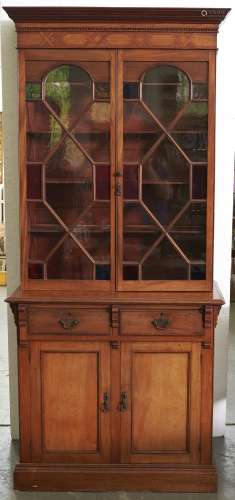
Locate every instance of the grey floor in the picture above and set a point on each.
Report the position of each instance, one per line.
(224, 449)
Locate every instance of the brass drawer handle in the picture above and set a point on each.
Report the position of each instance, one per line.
(105, 407)
(123, 405)
(68, 323)
(161, 323)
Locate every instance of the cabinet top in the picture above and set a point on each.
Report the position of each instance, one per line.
(116, 15)
(44, 296)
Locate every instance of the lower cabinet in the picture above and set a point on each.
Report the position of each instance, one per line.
(71, 402)
(161, 387)
(70, 388)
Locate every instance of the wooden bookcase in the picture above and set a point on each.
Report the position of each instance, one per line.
(117, 308)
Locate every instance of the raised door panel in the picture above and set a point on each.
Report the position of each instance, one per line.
(166, 166)
(68, 386)
(67, 161)
(161, 416)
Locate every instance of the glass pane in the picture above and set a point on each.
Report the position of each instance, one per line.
(70, 233)
(102, 90)
(166, 164)
(165, 90)
(131, 182)
(42, 243)
(193, 143)
(34, 181)
(95, 241)
(136, 119)
(137, 145)
(192, 243)
(40, 216)
(35, 271)
(69, 262)
(102, 272)
(165, 167)
(43, 131)
(135, 215)
(33, 91)
(68, 200)
(69, 163)
(165, 200)
(193, 219)
(130, 272)
(200, 91)
(165, 263)
(102, 182)
(198, 272)
(199, 182)
(68, 90)
(195, 117)
(131, 90)
(136, 244)
(96, 214)
(93, 133)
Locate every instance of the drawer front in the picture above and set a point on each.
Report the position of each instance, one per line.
(162, 322)
(69, 321)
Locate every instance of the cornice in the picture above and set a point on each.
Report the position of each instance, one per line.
(108, 15)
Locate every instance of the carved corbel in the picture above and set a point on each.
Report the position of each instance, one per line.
(115, 317)
(207, 315)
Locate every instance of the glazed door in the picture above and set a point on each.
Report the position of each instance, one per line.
(69, 158)
(167, 169)
(160, 410)
(70, 398)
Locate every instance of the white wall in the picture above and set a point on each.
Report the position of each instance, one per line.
(224, 178)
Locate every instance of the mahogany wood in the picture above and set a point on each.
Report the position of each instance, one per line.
(115, 375)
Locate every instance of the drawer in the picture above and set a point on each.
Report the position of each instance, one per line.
(162, 321)
(69, 320)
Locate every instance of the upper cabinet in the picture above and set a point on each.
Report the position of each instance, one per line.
(117, 139)
(166, 209)
(69, 157)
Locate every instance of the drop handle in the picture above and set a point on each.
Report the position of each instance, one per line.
(67, 323)
(105, 406)
(123, 405)
(161, 323)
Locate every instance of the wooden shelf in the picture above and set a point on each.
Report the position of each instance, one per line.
(51, 228)
(68, 181)
(149, 181)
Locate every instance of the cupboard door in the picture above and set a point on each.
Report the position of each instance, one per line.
(167, 166)
(69, 160)
(70, 390)
(160, 402)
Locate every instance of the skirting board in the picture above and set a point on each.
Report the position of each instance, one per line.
(63, 477)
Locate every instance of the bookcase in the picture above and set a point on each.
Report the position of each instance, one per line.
(117, 307)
